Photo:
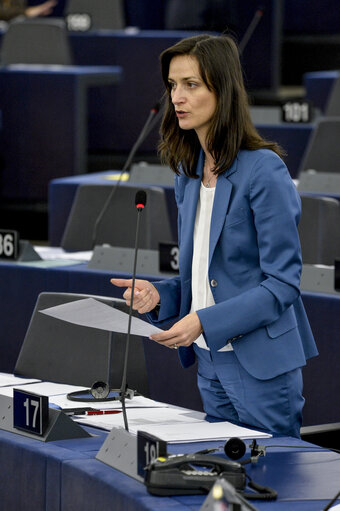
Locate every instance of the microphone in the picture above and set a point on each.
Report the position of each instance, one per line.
(143, 134)
(251, 29)
(140, 202)
(147, 128)
(100, 390)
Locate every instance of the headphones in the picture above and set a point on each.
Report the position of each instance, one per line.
(100, 391)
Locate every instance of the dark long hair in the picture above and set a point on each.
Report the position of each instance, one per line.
(231, 128)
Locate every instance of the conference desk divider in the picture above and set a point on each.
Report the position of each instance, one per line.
(121, 259)
(319, 183)
(119, 451)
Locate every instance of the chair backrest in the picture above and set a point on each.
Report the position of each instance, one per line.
(58, 351)
(333, 105)
(118, 224)
(323, 150)
(36, 41)
(94, 14)
(319, 230)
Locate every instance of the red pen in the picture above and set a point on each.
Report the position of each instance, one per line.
(102, 412)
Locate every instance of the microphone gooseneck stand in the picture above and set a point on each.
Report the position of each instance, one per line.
(140, 201)
(251, 29)
(148, 126)
(100, 391)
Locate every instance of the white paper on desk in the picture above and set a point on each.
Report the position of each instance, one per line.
(42, 389)
(54, 253)
(140, 418)
(10, 379)
(202, 431)
(176, 425)
(92, 313)
(135, 402)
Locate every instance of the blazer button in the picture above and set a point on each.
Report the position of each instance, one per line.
(213, 283)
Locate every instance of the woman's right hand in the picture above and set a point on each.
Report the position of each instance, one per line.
(146, 296)
(43, 9)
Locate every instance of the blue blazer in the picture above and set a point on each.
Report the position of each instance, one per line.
(254, 266)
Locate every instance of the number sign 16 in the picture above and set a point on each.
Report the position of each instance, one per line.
(9, 241)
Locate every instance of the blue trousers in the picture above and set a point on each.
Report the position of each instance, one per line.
(230, 393)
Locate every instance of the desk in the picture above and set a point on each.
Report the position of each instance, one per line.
(65, 476)
(21, 285)
(44, 119)
(319, 85)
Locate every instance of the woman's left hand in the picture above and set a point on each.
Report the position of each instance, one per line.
(182, 333)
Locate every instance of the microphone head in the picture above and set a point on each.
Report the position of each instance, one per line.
(155, 108)
(140, 199)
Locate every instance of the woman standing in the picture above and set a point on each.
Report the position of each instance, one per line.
(236, 304)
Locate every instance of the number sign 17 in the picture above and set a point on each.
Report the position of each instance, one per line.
(30, 412)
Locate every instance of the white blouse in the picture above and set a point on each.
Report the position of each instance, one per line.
(201, 293)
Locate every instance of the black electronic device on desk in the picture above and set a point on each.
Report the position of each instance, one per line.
(191, 474)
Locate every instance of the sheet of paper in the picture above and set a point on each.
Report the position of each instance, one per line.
(42, 389)
(202, 431)
(174, 425)
(139, 418)
(59, 253)
(94, 314)
(10, 379)
(135, 402)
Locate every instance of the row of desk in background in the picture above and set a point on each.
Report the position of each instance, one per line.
(62, 114)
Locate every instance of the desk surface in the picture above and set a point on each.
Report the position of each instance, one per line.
(65, 476)
(23, 283)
